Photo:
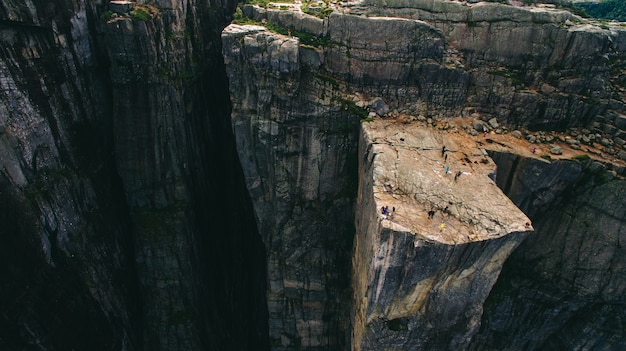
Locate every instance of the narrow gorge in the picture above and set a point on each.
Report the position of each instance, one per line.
(172, 182)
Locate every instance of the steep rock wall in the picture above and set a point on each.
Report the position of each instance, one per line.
(420, 280)
(68, 277)
(538, 67)
(562, 289)
(126, 223)
(296, 137)
(409, 68)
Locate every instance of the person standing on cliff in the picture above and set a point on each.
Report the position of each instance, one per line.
(457, 175)
(443, 151)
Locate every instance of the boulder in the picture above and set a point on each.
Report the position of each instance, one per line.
(379, 106)
(556, 150)
(494, 123)
(480, 126)
(620, 122)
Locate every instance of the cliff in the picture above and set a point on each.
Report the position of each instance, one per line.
(561, 289)
(527, 96)
(133, 219)
(297, 142)
(422, 274)
(123, 204)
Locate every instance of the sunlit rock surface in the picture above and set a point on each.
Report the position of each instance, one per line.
(421, 278)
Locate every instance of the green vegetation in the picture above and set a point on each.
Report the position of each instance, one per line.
(579, 11)
(107, 15)
(140, 14)
(305, 38)
(239, 18)
(352, 108)
(261, 3)
(169, 35)
(319, 11)
(607, 9)
(517, 79)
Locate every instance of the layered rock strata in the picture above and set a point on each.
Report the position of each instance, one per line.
(422, 272)
(528, 66)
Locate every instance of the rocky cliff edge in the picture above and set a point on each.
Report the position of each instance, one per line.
(433, 231)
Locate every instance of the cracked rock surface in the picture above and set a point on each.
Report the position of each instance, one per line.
(418, 277)
(414, 174)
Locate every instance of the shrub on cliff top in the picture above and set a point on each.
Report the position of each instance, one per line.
(607, 9)
(140, 14)
(107, 15)
(305, 38)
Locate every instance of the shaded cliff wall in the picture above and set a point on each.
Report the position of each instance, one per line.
(563, 288)
(126, 223)
(68, 277)
(197, 253)
(296, 138)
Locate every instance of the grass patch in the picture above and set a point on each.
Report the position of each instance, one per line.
(352, 108)
(305, 38)
(515, 76)
(107, 15)
(140, 14)
(260, 3)
(321, 12)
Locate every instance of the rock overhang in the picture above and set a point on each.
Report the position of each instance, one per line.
(440, 186)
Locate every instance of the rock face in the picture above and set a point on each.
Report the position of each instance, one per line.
(298, 91)
(125, 200)
(561, 289)
(122, 199)
(297, 138)
(422, 274)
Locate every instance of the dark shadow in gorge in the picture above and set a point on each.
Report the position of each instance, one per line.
(231, 255)
(560, 289)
